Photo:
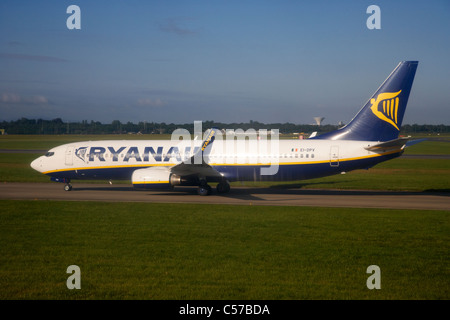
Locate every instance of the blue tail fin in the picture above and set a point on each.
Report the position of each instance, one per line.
(381, 117)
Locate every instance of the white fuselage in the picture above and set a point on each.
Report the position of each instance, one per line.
(115, 159)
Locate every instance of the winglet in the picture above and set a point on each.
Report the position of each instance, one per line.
(199, 156)
(209, 139)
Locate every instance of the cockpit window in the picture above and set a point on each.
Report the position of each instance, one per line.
(49, 154)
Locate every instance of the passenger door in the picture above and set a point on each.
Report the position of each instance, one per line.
(69, 156)
(334, 156)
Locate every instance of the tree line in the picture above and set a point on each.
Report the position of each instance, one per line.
(57, 126)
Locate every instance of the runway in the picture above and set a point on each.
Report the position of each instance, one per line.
(237, 196)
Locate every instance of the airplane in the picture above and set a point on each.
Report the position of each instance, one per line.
(371, 137)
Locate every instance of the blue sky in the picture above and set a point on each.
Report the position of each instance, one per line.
(228, 61)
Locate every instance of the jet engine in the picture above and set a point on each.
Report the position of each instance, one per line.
(160, 178)
(152, 178)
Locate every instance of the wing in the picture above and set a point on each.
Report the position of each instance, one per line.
(192, 171)
(196, 165)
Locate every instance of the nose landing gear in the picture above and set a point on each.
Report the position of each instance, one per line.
(67, 187)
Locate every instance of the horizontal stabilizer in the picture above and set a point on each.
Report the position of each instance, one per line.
(392, 144)
(413, 142)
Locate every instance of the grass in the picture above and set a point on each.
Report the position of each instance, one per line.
(430, 147)
(168, 251)
(15, 167)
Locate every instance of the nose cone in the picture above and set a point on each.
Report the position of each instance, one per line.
(37, 164)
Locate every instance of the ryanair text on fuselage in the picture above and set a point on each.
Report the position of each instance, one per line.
(133, 152)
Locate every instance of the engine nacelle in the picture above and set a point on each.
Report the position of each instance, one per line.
(152, 178)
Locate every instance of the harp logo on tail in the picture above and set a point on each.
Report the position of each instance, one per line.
(385, 107)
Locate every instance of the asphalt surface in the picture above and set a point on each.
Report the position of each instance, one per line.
(237, 196)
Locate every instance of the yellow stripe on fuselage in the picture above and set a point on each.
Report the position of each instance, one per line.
(150, 182)
(224, 164)
(110, 167)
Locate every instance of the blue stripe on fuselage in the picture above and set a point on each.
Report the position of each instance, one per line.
(285, 172)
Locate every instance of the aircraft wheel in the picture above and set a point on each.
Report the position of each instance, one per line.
(223, 187)
(204, 190)
(67, 187)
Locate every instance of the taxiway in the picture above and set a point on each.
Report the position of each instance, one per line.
(237, 196)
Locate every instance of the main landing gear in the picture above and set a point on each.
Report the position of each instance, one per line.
(223, 187)
(68, 187)
(205, 189)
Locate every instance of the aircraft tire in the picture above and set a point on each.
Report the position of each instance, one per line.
(223, 187)
(204, 190)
